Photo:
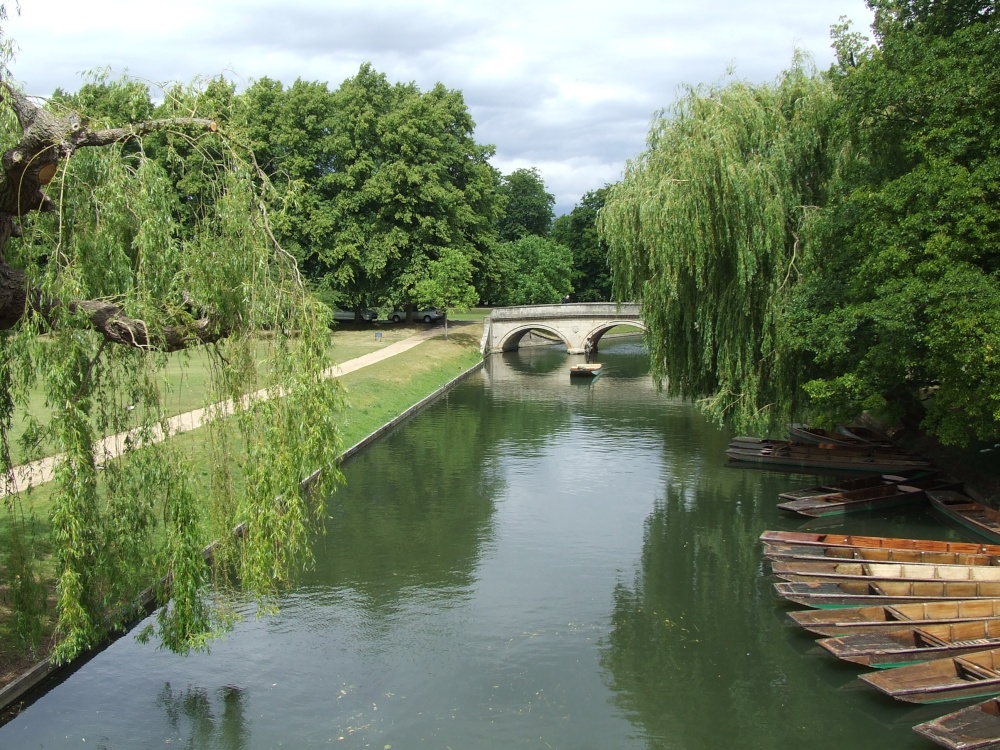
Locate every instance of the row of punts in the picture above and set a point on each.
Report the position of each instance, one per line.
(925, 614)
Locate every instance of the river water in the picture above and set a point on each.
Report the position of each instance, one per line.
(530, 563)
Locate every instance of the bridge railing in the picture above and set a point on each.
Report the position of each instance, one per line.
(567, 310)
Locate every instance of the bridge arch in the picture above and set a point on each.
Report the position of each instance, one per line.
(512, 339)
(595, 336)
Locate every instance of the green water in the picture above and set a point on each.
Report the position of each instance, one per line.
(530, 563)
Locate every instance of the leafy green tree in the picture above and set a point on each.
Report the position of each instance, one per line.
(577, 230)
(528, 205)
(109, 259)
(540, 273)
(902, 312)
(448, 284)
(410, 187)
(290, 131)
(705, 230)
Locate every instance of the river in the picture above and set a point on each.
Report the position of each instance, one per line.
(529, 563)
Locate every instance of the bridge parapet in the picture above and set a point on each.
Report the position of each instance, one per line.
(579, 325)
(567, 310)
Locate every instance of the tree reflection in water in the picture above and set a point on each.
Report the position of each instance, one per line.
(196, 722)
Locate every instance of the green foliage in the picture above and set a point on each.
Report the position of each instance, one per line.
(171, 229)
(449, 284)
(409, 187)
(705, 231)
(290, 134)
(902, 309)
(528, 207)
(578, 231)
(540, 270)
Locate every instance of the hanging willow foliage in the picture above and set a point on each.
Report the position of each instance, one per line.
(118, 273)
(706, 230)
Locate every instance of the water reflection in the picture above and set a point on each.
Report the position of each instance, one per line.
(527, 564)
(196, 722)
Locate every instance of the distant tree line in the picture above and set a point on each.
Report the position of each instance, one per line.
(829, 244)
(382, 194)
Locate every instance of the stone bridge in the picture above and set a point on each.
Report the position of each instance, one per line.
(576, 324)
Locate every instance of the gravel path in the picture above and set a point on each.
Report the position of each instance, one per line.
(42, 471)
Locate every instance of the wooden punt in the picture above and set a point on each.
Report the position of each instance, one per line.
(585, 371)
(950, 678)
(825, 458)
(880, 542)
(796, 570)
(971, 728)
(814, 553)
(806, 434)
(914, 644)
(856, 483)
(830, 594)
(890, 495)
(862, 449)
(865, 433)
(874, 619)
(963, 510)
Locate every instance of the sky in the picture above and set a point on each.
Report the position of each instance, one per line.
(566, 86)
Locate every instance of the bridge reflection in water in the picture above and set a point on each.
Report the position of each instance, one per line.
(579, 325)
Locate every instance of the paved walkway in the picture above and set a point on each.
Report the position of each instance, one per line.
(42, 471)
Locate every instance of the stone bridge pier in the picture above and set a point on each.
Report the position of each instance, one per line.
(576, 324)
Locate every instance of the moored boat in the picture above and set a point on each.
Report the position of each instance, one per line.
(971, 728)
(890, 495)
(844, 484)
(815, 553)
(884, 617)
(950, 678)
(963, 510)
(796, 570)
(914, 644)
(880, 542)
(822, 457)
(830, 594)
(805, 434)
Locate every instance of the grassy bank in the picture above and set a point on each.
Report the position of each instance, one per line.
(375, 395)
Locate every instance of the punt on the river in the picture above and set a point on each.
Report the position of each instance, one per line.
(824, 458)
(798, 570)
(951, 678)
(867, 499)
(830, 594)
(966, 512)
(913, 644)
(881, 542)
(969, 728)
(585, 371)
(816, 553)
(843, 621)
(856, 483)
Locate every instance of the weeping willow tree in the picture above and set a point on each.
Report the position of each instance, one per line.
(105, 269)
(708, 231)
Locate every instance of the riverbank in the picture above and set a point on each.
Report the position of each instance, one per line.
(384, 387)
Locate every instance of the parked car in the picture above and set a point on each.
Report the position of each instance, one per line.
(429, 315)
(367, 316)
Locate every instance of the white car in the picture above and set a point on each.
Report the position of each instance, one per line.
(367, 316)
(430, 315)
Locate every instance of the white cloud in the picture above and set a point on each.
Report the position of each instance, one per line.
(568, 87)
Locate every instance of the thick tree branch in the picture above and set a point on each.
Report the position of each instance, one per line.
(48, 139)
(111, 322)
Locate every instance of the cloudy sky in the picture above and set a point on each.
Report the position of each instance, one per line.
(566, 86)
